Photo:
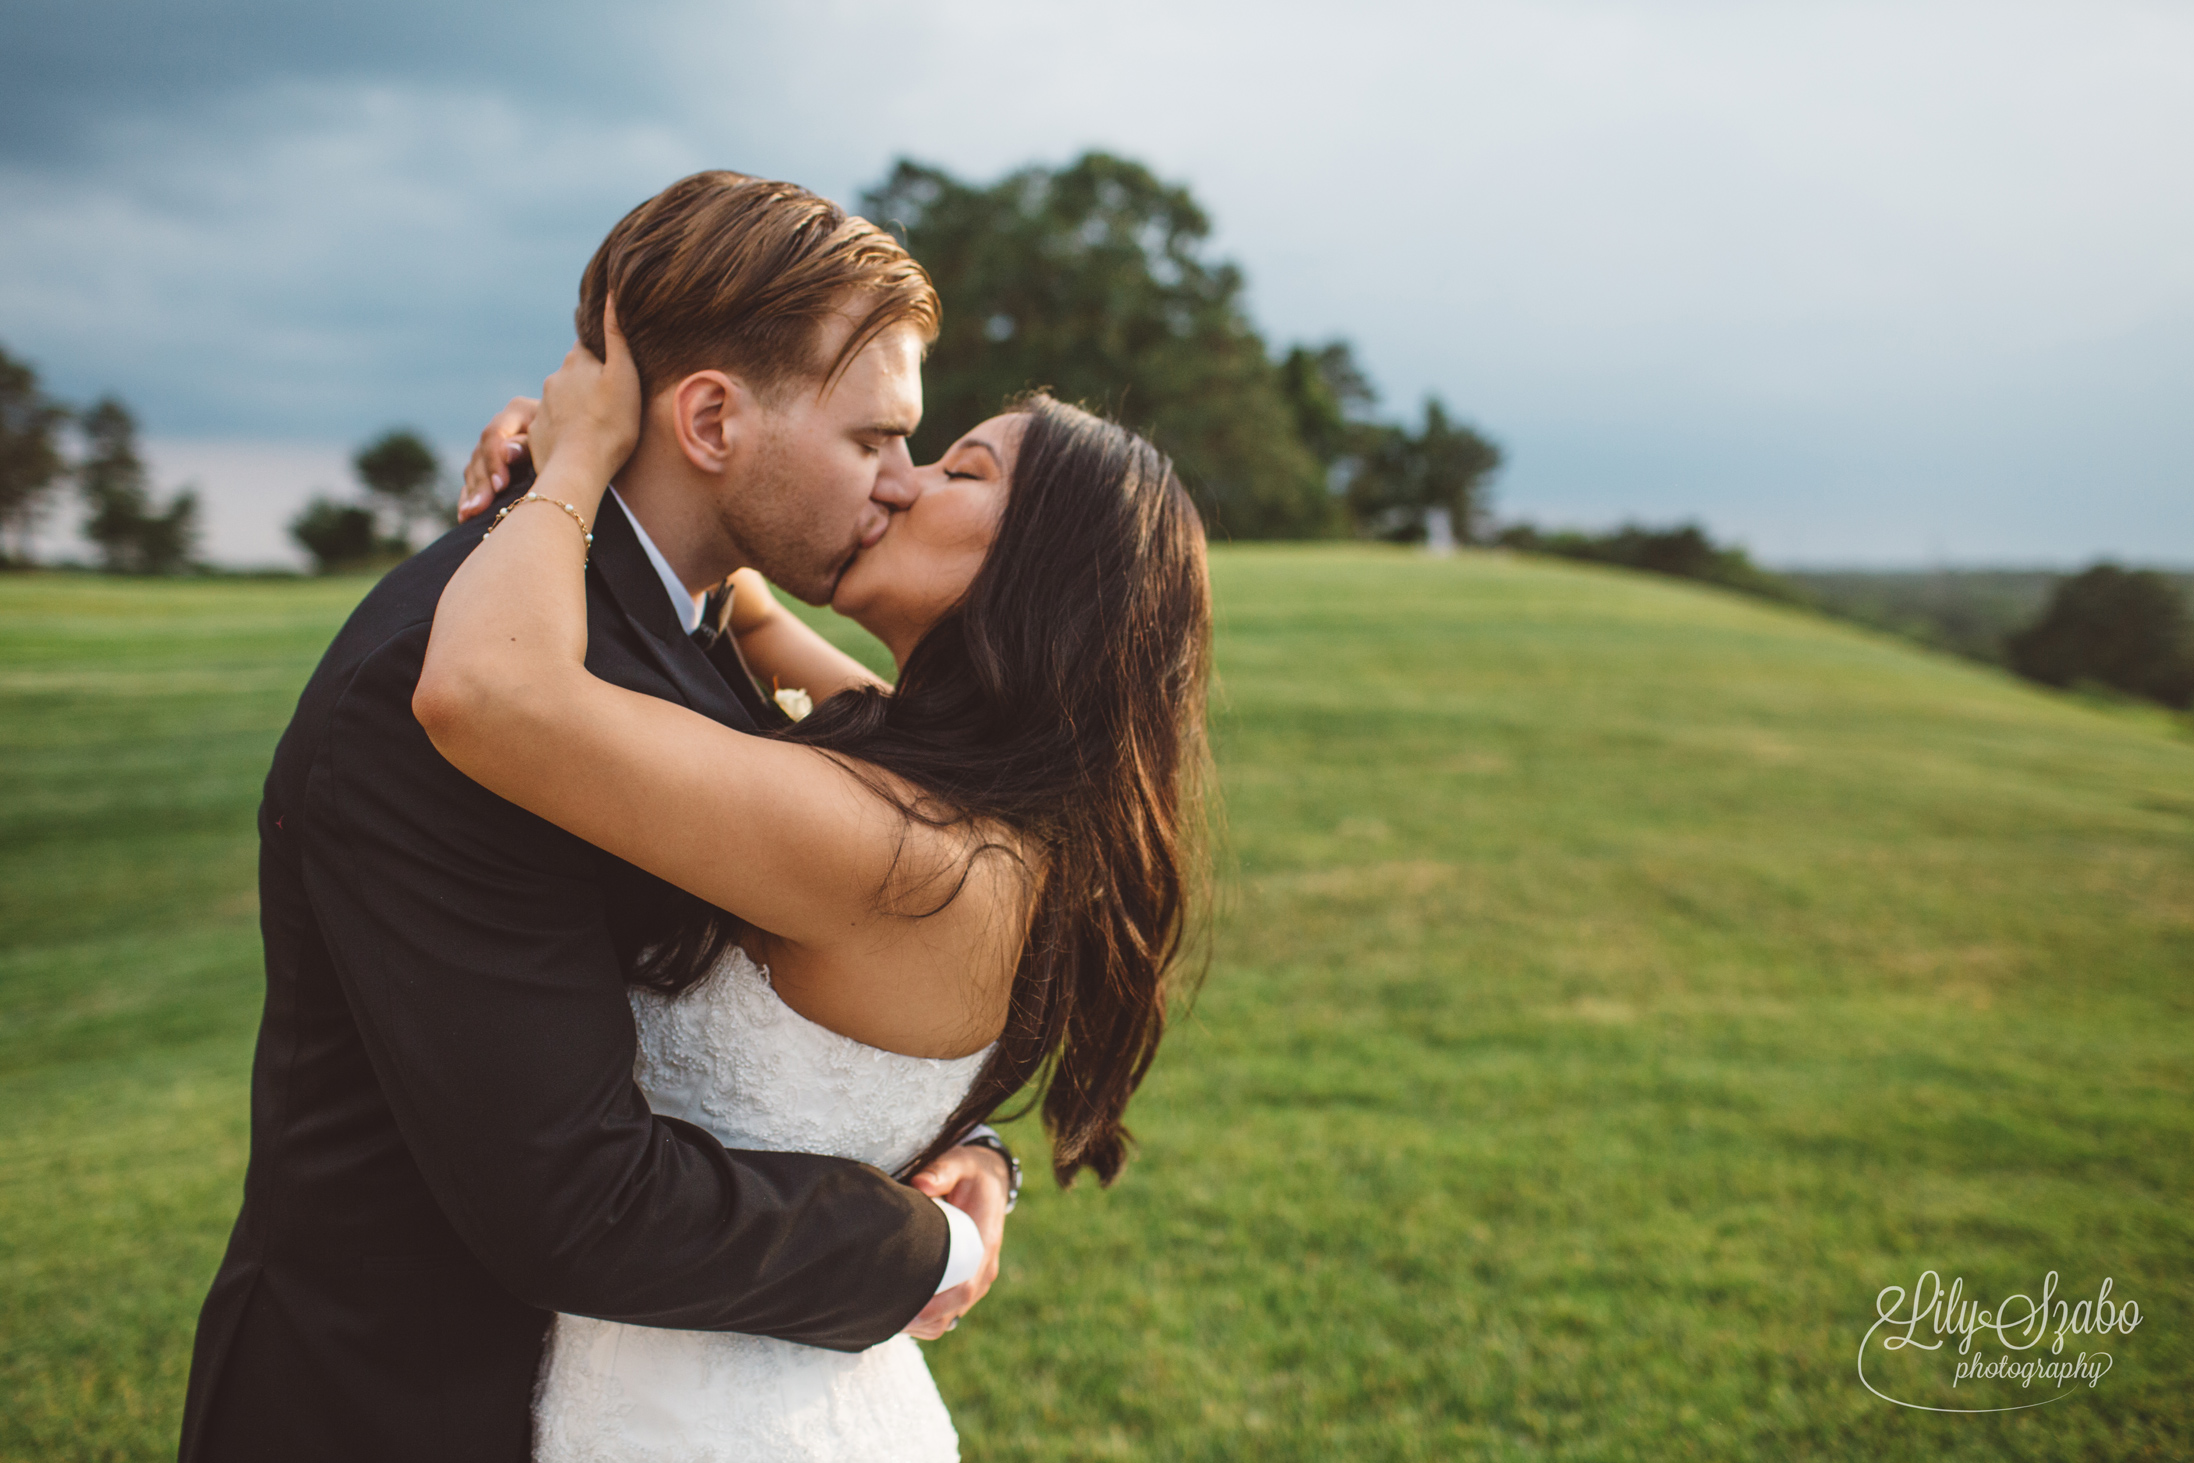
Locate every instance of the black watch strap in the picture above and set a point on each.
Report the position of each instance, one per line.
(1013, 1165)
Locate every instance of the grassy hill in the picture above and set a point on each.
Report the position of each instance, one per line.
(1616, 985)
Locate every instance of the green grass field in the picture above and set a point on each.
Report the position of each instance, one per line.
(1615, 985)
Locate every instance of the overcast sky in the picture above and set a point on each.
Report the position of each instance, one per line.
(1894, 283)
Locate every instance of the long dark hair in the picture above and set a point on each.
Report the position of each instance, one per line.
(1063, 698)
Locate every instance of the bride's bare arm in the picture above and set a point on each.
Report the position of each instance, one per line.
(782, 650)
(779, 834)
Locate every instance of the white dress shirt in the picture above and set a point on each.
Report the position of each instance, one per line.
(966, 1255)
(682, 599)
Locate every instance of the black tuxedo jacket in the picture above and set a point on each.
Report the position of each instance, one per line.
(446, 1142)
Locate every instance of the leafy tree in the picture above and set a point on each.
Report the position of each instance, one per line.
(1405, 475)
(1091, 280)
(402, 478)
(30, 454)
(2128, 629)
(339, 536)
(1331, 400)
(401, 472)
(133, 536)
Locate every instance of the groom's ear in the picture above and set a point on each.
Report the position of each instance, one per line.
(710, 411)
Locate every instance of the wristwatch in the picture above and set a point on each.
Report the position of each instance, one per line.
(985, 1138)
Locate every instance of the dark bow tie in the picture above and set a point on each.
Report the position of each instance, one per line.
(715, 617)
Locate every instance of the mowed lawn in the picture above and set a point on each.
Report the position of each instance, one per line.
(1615, 985)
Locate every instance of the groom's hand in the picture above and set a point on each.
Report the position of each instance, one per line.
(975, 1180)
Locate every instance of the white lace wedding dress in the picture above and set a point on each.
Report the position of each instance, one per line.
(730, 1056)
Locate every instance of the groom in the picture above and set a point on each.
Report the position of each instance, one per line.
(447, 1145)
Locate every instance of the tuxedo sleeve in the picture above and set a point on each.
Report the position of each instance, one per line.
(470, 940)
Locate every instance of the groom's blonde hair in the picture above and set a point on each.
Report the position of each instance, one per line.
(723, 271)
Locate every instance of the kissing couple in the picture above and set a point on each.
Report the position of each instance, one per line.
(628, 1042)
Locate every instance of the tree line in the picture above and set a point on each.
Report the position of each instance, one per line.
(2130, 631)
(132, 531)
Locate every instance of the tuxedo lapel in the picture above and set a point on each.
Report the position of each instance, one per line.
(620, 566)
(722, 649)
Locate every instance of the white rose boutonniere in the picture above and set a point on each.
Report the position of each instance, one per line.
(793, 701)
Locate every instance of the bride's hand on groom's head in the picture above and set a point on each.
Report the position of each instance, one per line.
(589, 406)
(588, 419)
(502, 442)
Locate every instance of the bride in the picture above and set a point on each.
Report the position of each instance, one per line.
(969, 882)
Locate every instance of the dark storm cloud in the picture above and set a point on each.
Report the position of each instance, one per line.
(253, 218)
(70, 66)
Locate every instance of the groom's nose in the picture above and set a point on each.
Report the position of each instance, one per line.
(896, 488)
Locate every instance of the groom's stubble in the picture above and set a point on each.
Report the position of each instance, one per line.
(775, 525)
(817, 467)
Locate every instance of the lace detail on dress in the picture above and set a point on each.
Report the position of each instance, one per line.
(730, 1056)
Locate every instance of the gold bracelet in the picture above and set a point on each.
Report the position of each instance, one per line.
(533, 497)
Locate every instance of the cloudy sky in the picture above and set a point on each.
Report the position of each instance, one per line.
(1890, 283)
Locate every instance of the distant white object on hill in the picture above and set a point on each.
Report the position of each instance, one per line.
(1439, 532)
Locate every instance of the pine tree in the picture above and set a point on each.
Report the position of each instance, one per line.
(133, 536)
(31, 464)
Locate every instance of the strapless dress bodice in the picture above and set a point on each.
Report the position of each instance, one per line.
(730, 1056)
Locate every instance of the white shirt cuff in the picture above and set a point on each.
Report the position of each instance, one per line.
(965, 1257)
